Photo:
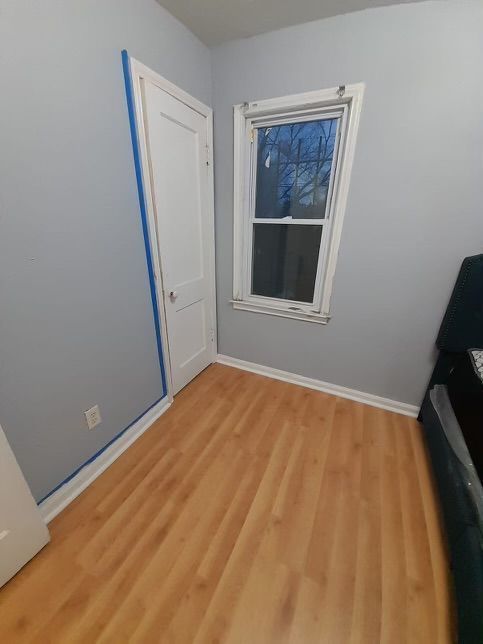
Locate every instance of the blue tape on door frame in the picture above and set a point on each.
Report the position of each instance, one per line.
(154, 300)
(142, 205)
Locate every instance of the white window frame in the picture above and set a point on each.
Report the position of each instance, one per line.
(343, 102)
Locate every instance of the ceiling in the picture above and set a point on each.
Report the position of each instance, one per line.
(216, 21)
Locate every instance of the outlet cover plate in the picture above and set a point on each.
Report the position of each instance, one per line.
(93, 417)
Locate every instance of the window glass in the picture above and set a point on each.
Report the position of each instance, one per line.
(294, 163)
(285, 260)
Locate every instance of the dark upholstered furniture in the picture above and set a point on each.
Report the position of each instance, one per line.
(452, 416)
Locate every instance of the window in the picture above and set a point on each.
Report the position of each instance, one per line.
(292, 167)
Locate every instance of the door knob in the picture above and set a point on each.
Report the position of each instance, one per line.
(173, 294)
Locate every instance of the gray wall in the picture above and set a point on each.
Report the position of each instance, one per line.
(76, 323)
(414, 207)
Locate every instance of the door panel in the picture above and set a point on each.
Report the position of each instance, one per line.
(190, 332)
(22, 530)
(177, 143)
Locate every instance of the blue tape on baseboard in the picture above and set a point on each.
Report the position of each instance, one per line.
(142, 205)
(97, 454)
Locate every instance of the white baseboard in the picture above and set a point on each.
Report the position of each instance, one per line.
(58, 500)
(337, 390)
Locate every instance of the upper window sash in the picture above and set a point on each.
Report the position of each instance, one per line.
(253, 152)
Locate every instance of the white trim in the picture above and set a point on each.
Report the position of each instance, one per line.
(267, 309)
(239, 170)
(140, 73)
(337, 390)
(58, 500)
(211, 211)
(247, 118)
(341, 191)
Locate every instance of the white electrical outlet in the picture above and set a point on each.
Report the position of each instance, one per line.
(93, 417)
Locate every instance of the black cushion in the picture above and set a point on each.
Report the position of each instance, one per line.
(465, 390)
(462, 326)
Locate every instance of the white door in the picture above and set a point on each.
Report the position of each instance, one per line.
(22, 530)
(177, 149)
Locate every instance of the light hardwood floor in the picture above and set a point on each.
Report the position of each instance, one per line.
(254, 511)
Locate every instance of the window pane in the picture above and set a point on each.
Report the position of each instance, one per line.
(285, 260)
(294, 163)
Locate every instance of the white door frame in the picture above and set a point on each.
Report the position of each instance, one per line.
(140, 72)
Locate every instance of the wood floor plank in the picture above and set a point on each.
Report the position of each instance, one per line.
(254, 511)
(337, 615)
(394, 572)
(366, 625)
(420, 589)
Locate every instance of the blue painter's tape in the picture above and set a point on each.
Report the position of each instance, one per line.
(93, 458)
(142, 205)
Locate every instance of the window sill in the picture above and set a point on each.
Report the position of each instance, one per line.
(283, 313)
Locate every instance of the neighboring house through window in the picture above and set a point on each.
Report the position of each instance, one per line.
(293, 157)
